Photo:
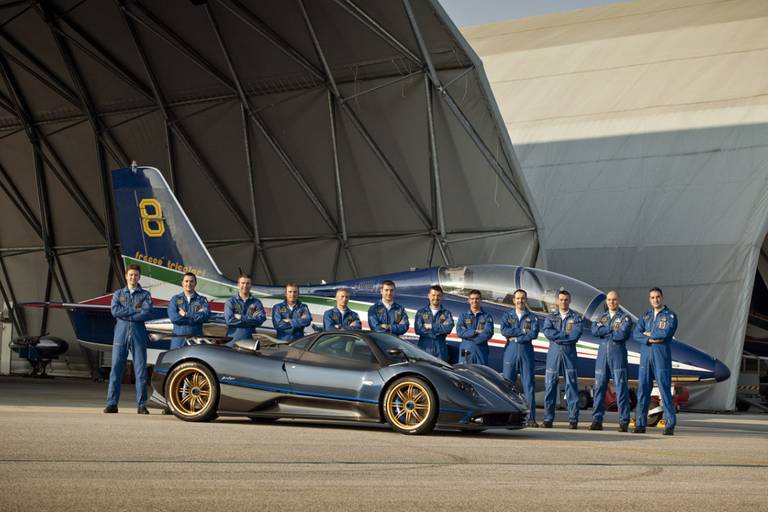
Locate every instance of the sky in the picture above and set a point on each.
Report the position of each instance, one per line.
(477, 12)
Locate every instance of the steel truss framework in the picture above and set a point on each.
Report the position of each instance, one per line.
(72, 39)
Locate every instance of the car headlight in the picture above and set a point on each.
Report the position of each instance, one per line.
(467, 388)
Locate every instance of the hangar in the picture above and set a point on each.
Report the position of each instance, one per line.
(641, 131)
(361, 133)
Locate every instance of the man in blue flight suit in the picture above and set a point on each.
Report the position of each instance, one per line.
(291, 316)
(188, 311)
(563, 329)
(613, 328)
(131, 307)
(475, 328)
(521, 327)
(243, 313)
(433, 324)
(654, 332)
(341, 318)
(386, 315)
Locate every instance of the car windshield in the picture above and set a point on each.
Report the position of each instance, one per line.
(386, 342)
(497, 283)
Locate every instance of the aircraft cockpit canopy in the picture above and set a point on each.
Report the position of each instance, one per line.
(498, 283)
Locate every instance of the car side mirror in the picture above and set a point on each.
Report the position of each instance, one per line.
(395, 352)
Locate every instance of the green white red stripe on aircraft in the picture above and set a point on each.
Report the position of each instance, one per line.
(164, 282)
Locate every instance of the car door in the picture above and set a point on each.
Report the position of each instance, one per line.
(339, 373)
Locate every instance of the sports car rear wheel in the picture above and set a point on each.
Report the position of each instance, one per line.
(410, 406)
(192, 392)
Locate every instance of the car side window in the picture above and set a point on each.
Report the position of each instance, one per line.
(301, 344)
(344, 346)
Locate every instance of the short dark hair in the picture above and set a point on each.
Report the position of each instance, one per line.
(133, 267)
(245, 276)
(437, 288)
(388, 282)
(474, 292)
(291, 285)
(343, 289)
(656, 289)
(564, 292)
(520, 290)
(189, 274)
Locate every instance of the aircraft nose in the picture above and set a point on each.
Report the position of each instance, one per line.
(721, 371)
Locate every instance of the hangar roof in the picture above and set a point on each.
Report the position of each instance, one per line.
(362, 133)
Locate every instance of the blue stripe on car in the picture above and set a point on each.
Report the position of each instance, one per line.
(293, 392)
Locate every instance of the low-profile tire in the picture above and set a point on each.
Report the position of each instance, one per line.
(410, 406)
(192, 392)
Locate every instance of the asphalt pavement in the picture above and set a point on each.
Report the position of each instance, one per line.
(58, 451)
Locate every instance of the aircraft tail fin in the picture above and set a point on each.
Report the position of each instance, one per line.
(154, 231)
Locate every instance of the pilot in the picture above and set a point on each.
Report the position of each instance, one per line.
(131, 307)
(613, 328)
(387, 315)
(475, 328)
(654, 332)
(243, 313)
(290, 316)
(341, 318)
(521, 327)
(188, 311)
(563, 329)
(433, 324)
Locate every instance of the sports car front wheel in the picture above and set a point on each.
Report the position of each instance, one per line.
(410, 406)
(192, 392)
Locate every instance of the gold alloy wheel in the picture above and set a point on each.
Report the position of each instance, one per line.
(408, 405)
(190, 391)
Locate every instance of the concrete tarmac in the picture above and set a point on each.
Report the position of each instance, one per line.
(58, 451)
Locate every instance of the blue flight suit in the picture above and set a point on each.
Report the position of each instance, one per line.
(396, 318)
(130, 310)
(335, 320)
(252, 315)
(612, 355)
(298, 319)
(518, 355)
(196, 312)
(562, 335)
(432, 340)
(476, 344)
(659, 357)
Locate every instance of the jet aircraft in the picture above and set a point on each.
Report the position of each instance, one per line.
(156, 234)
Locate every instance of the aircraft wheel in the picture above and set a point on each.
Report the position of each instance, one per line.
(654, 418)
(192, 392)
(410, 406)
(585, 401)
